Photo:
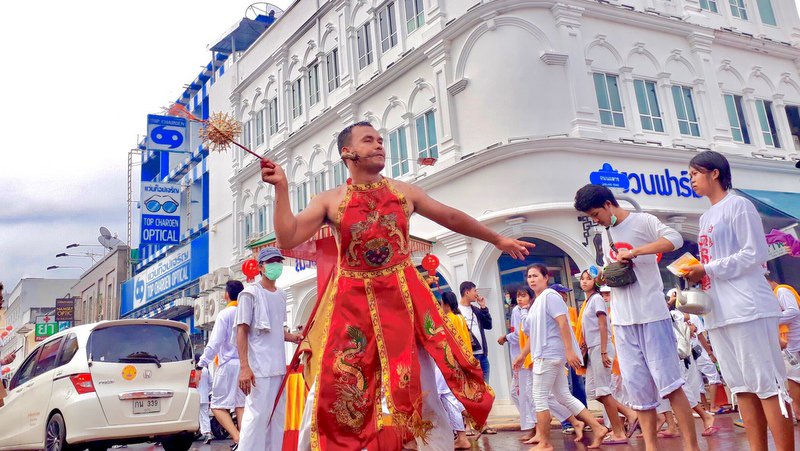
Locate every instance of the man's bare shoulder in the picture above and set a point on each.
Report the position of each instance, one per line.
(406, 188)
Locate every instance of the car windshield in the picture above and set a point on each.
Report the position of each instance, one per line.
(145, 343)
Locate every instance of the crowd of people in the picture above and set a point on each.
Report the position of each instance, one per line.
(384, 355)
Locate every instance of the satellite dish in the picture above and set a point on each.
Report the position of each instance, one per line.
(107, 240)
(264, 10)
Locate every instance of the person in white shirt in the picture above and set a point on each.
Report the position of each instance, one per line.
(743, 320)
(551, 345)
(512, 338)
(595, 339)
(645, 344)
(790, 318)
(225, 391)
(260, 319)
(204, 390)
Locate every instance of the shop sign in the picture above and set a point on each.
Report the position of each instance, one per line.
(65, 309)
(166, 133)
(161, 213)
(665, 184)
(163, 277)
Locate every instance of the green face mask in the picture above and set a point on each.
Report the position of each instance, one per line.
(273, 270)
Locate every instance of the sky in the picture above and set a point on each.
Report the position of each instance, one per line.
(77, 83)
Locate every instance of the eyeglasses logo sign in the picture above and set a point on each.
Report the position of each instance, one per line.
(156, 203)
(161, 213)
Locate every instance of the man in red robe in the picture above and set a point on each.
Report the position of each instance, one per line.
(378, 316)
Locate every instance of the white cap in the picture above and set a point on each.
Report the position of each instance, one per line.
(605, 289)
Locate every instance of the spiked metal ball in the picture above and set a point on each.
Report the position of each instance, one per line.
(221, 131)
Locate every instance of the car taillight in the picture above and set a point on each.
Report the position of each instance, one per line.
(194, 378)
(82, 383)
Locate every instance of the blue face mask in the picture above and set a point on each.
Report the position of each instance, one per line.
(272, 270)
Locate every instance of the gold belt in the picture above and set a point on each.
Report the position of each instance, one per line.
(353, 274)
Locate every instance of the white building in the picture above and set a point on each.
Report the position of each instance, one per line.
(520, 101)
(30, 298)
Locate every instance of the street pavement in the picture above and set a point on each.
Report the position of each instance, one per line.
(729, 438)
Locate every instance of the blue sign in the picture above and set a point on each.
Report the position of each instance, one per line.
(166, 133)
(658, 184)
(161, 216)
(164, 276)
(176, 270)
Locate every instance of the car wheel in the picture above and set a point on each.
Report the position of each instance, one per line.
(177, 442)
(55, 434)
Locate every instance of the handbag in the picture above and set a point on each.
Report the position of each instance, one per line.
(618, 274)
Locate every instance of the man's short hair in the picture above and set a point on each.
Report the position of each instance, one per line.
(233, 288)
(594, 196)
(466, 286)
(343, 140)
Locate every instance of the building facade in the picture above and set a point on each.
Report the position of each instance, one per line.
(98, 291)
(520, 103)
(31, 299)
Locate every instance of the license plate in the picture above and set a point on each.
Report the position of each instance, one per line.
(146, 406)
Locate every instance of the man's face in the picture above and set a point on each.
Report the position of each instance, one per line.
(601, 215)
(471, 295)
(367, 144)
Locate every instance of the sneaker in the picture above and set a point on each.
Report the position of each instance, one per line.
(567, 430)
(738, 423)
(207, 439)
(234, 447)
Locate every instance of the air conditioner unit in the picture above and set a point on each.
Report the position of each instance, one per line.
(206, 283)
(213, 306)
(200, 311)
(221, 276)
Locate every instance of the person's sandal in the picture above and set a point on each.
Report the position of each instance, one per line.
(489, 431)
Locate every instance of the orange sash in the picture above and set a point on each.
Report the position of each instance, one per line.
(783, 329)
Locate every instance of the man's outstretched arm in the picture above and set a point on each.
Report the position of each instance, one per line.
(460, 222)
(291, 230)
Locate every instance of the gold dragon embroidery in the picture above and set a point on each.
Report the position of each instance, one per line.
(351, 385)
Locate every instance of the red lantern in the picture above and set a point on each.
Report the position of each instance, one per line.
(9, 328)
(250, 269)
(4, 334)
(430, 262)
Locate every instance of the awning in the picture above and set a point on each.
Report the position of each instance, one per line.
(779, 209)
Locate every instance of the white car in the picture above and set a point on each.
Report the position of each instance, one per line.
(102, 384)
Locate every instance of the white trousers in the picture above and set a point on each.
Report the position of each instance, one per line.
(709, 370)
(258, 433)
(205, 418)
(516, 393)
(550, 377)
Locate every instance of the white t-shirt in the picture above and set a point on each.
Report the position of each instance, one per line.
(589, 322)
(513, 336)
(474, 324)
(791, 317)
(545, 335)
(220, 342)
(733, 250)
(641, 302)
(266, 352)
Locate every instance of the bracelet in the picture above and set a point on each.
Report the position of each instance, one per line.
(603, 353)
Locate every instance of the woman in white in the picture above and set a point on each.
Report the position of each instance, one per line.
(596, 338)
(552, 344)
(743, 321)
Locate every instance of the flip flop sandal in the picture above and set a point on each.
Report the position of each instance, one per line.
(489, 431)
(632, 429)
(709, 431)
(665, 434)
(610, 441)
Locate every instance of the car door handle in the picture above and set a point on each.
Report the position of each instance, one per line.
(29, 385)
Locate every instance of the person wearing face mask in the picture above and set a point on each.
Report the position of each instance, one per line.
(646, 347)
(260, 334)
